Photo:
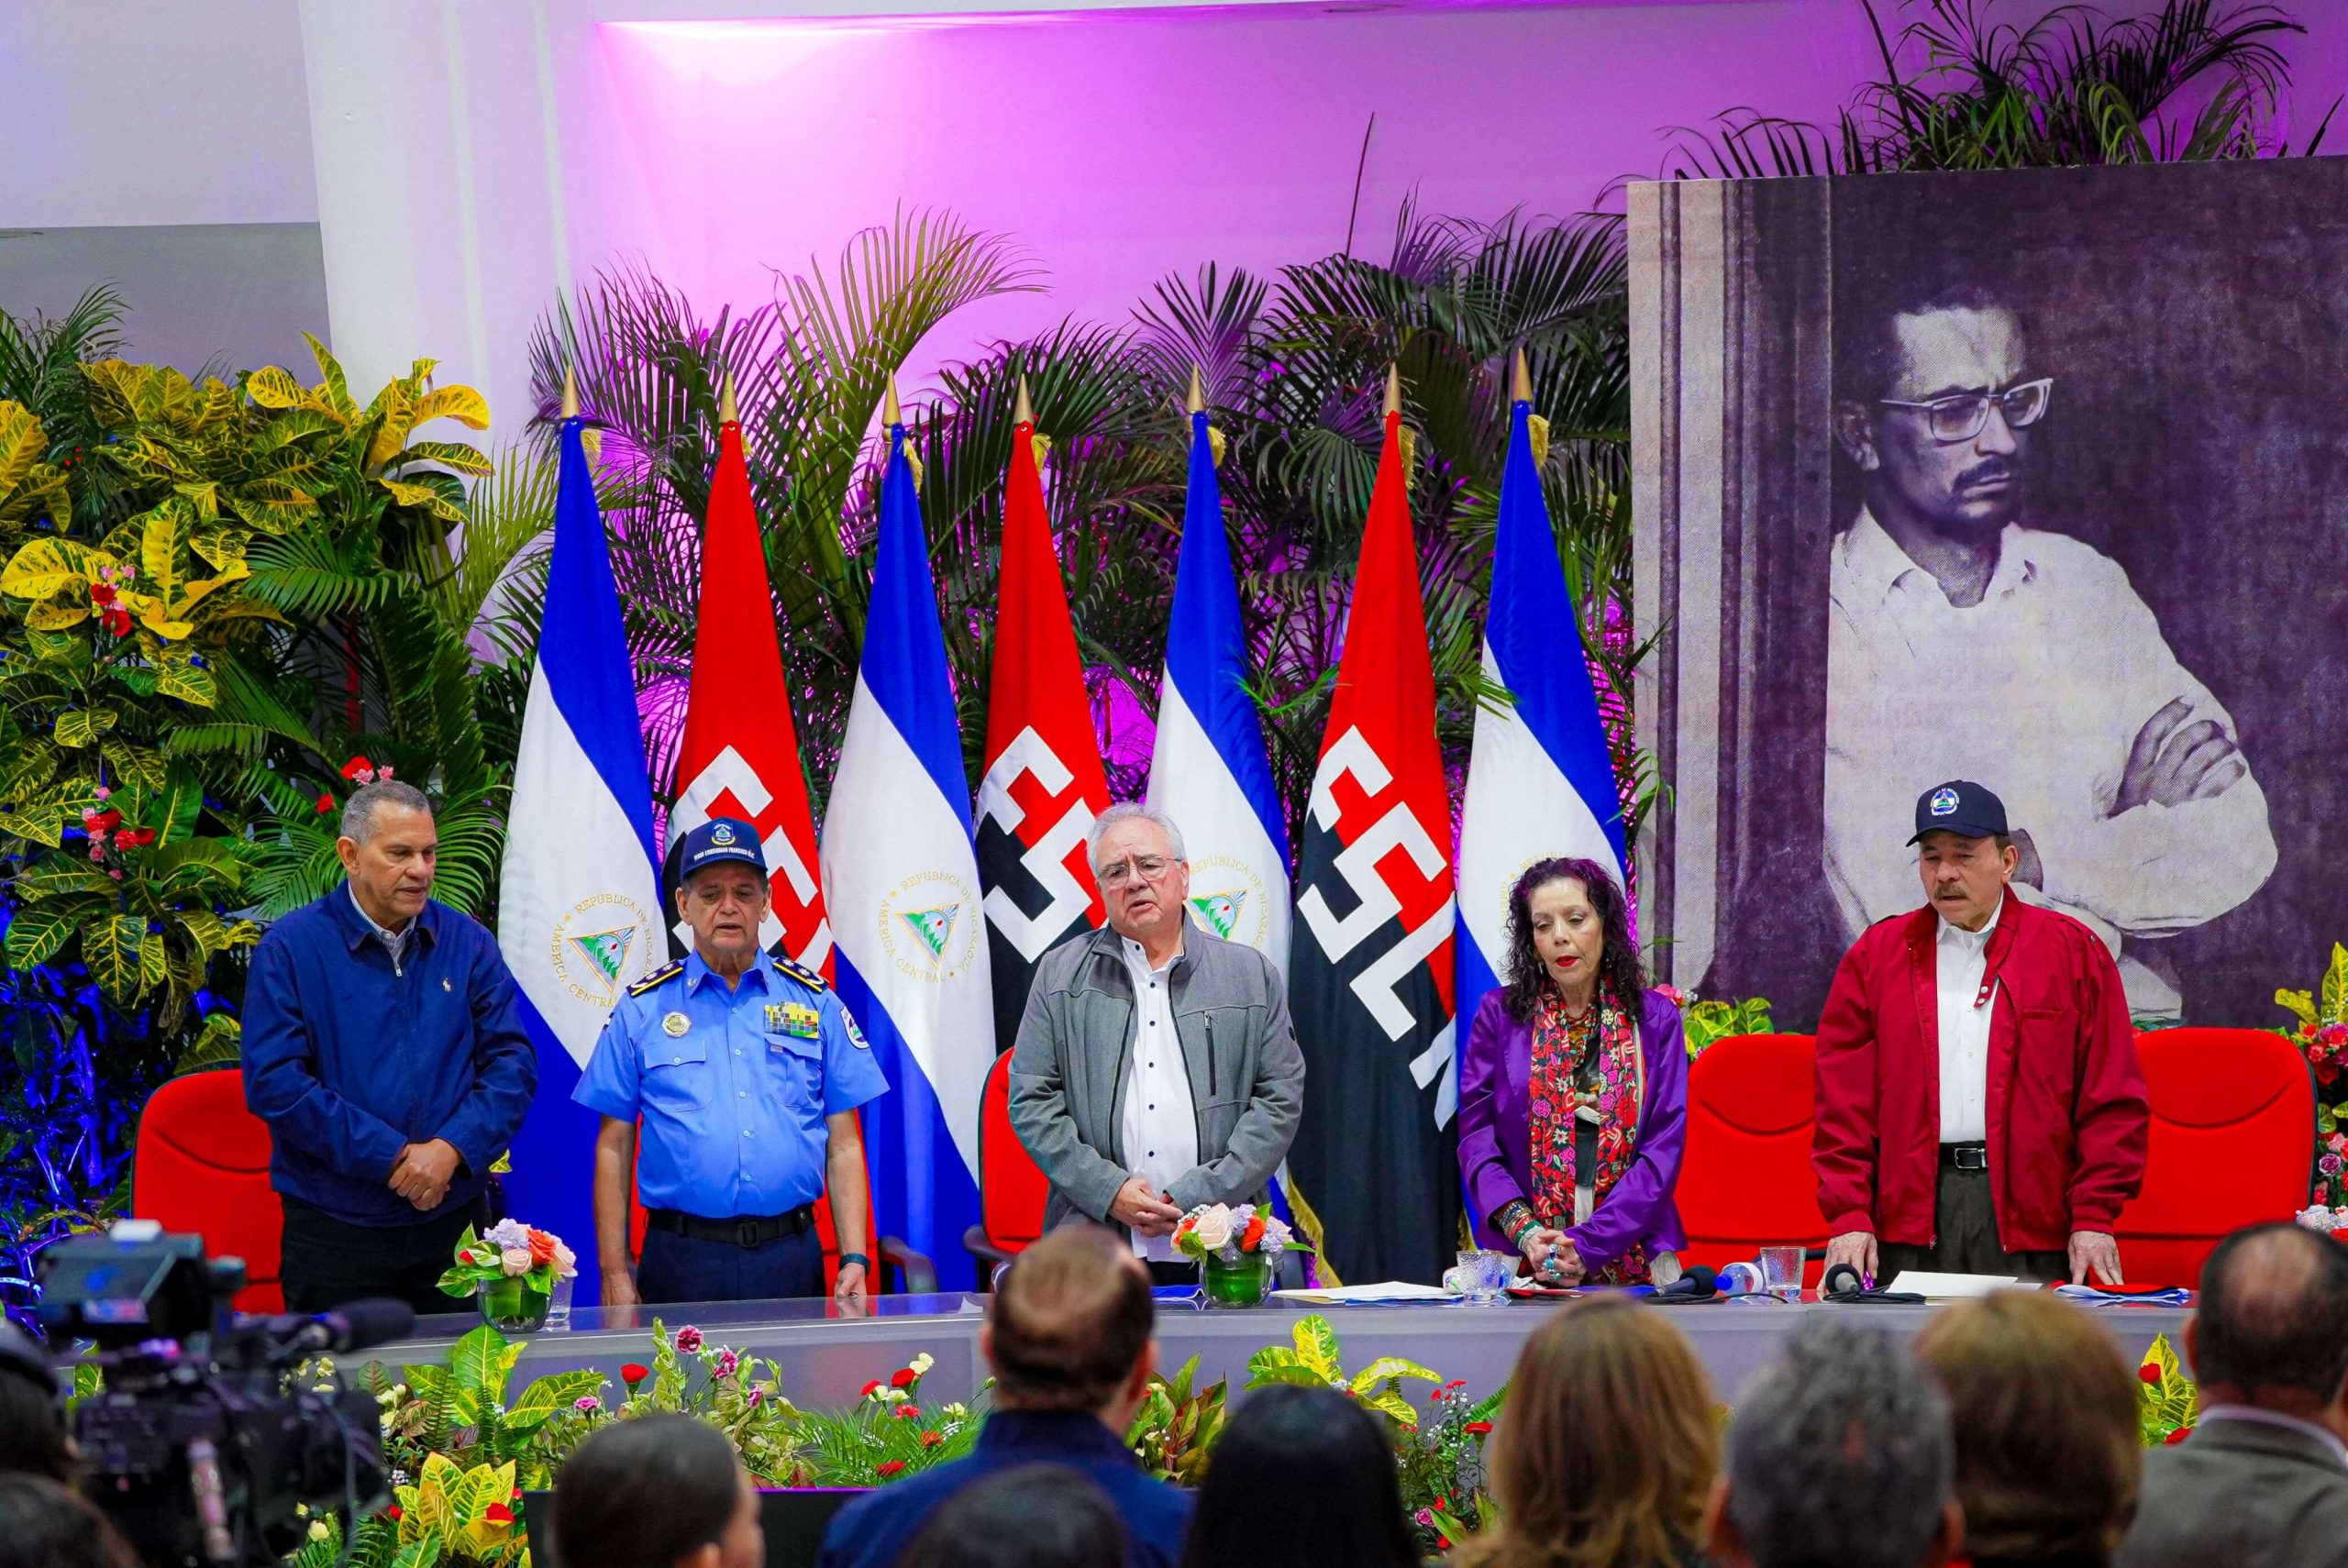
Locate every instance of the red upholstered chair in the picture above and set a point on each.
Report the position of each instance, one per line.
(2233, 1142)
(1012, 1188)
(1746, 1181)
(202, 1165)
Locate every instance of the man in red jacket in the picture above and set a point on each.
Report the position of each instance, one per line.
(1979, 1106)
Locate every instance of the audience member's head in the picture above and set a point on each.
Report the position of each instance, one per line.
(1071, 1327)
(656, 1491)
(1036, 1516)
(45, 1524)
(32, 1423)
(1607, 1446)
(1301, 1477)
(2271, 1328)
(2042, 1407)
(1839, 1456)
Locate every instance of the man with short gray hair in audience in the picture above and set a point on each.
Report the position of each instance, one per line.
(383, 1046)
(1839, 1455)
(2261, 1480)
(1155, 1068)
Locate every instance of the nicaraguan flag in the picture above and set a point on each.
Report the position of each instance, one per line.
(1209, 770)
(900, 880)
(1540, 778)
(578, 908)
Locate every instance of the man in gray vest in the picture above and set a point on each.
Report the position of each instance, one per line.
(2262, 1480)
(1155, 1068)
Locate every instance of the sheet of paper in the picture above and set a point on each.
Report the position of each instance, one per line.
(1952, 1286)
(1338, 1295)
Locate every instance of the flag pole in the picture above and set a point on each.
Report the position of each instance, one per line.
(890, 413)
(1022, 412)
(1520, 389)
(569, 392)
(1197, 402)
(727, 412)
(1393, 390)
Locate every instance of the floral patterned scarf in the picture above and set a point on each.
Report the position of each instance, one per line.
(1593, 1059)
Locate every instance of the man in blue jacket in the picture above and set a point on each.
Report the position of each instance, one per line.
(1070, 1342)
(383, 1046)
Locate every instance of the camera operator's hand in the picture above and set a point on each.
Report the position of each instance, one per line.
(423, 1172)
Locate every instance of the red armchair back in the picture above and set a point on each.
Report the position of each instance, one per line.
(1011, 1187)
(2232, 1139)
(1746, 1181)
(202, 1165)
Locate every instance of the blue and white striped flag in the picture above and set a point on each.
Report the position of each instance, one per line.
(579, 904)
(1540, 778)
(900, 880)
(1209, 770)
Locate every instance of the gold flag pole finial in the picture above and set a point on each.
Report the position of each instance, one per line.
(890, 413)
(1393, 389)
(1197, 402)
(569, 393)
(1023, 411)
(727, 412)
(1519, 380)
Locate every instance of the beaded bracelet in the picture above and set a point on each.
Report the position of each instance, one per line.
(1515, 1219)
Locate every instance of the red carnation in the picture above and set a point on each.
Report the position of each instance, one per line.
(2176, 1436)
(105, 821)
(907, 1412)
(634, 1373)
(498, 1513)
(1250, 1237)
(904, 1377)
(102, 593)
(116, 620)
(325, 804)
(1479, 1428)
(392, 1511)
(2150, 1374)
(890, 1467)
(357, 765)
(870, 1389)
(931, 1440)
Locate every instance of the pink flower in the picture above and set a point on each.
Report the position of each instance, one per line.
(757, 1397)
(103, 793)
(688, 1339)
(724, 1367)
(2328, 1164)
(515, 1260)
(907, 1412)
(1674, 995)
(586, 1403)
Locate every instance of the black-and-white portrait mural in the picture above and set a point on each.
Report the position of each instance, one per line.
(2036, 478)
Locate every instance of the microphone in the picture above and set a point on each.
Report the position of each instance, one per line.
(1845, 1285)
(353, 1326)
(1698, 1283)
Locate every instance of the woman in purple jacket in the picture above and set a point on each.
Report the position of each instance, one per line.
(1573, 1092)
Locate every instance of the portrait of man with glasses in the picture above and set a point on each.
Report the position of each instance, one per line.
(1970, 637)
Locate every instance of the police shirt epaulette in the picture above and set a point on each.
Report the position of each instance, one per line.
(660, 977)
(800, 972)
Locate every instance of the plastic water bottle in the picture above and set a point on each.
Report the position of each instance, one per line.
(1740, 1279)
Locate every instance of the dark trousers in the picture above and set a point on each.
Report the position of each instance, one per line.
(1964, 1218)
(327, 1262)
(685, 1269)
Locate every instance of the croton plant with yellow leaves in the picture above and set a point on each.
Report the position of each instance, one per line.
(179, 568)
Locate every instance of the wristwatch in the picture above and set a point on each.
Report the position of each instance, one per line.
(857, 1258)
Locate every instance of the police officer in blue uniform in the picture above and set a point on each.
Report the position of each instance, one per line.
(745, 1071)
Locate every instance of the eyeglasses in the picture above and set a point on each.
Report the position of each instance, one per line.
(1139, 867)
(1963, 416)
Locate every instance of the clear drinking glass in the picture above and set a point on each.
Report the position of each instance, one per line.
(1781, 1272)
(1484, 1276)
(559, 1303)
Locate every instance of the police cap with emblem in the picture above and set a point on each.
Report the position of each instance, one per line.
(718, 840)
(1961, 807)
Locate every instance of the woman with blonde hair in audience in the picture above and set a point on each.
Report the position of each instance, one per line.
(2044, 1408)
(1605, 1453)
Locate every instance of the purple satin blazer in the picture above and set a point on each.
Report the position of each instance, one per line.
(1496, 1133)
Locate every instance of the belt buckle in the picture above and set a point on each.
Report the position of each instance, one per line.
(746, 1233)
(1969, 1159)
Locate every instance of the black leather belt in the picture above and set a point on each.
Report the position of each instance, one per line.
(1965, 1156)
(745, 1230)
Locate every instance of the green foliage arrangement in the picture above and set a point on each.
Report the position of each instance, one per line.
(2167, 1404)
(1705, 1023)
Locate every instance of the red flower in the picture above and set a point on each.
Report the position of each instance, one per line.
(498, 1513)
(2150, 1374)
(391, 1510)
(904, 1377)
(1254, 1234)
(463, 1256)
(1479, 1428)
(541, 1247)
(1444, 1542)
(105, 821)
(634, 1373)
(357, 765)
(2176, 1436)
(931, 1440)
(116, 620)
(102, 593)
(134, 838)
(870, 1389)
(907, 1412)
(325, 804)
(890, 1467)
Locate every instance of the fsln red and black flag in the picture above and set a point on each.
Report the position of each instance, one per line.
(1370, 970)
(1043, 783)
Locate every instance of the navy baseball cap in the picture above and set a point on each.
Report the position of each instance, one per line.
(1961, 807)
(717, 839)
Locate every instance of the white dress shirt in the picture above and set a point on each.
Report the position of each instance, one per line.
(1962, 957)
(1157, 1128)
(2038, 691)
